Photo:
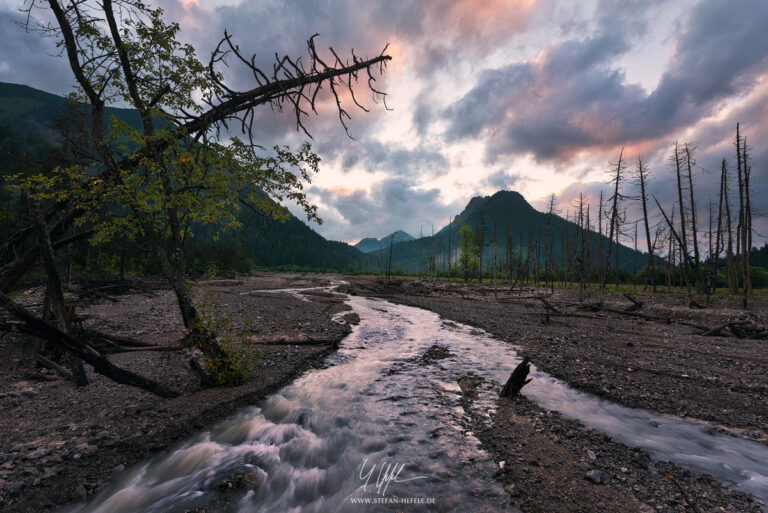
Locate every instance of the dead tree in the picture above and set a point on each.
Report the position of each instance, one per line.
(741, 238)
(690, 162)
(588, 253)
(642, 178)
(450, 222)
(748, 220)
(634, 277)
(548, 262)
(744, 230)
(580, 240)
(682, 240)
(564, 253)
(494, 241)
(619, 221)
(725, 204)
(600, 263)
(614, 214)
(670, 254)
(684, 256)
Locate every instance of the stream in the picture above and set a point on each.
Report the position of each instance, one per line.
(377, 429)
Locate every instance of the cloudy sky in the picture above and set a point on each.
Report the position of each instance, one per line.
(536, 96)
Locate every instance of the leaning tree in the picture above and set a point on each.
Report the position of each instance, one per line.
(185, 164)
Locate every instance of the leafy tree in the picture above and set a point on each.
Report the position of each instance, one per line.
(178, 169)
(480, 232)
(469, 251)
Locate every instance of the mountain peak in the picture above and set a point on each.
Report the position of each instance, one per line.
(399, 236)
(369, 244)
(498, 201)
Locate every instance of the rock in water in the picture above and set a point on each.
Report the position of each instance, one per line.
(251, 481)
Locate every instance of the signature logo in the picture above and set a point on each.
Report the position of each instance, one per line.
(387, 473)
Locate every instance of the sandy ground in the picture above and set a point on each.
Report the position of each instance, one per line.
(60, 443)
(665, 367)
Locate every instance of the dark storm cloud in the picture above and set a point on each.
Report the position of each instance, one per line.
(573, 97)
(391, 158)
(392, 204)
(503, 179)
(27, 58)
(430, 35)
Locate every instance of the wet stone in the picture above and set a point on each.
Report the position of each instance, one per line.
(371, 445)
(80, 493)
(251, 481)
(595, 476)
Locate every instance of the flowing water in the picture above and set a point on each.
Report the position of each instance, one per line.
(379, 430)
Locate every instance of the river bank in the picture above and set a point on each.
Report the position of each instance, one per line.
(665, 367)
(550, 463)
(60, 443)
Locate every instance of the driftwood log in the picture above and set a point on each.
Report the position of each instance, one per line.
(739, 328)
(636, 305)
(517, 380)
(32, 325)
(301, 339)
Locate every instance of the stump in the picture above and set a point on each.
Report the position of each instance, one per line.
(517, 380)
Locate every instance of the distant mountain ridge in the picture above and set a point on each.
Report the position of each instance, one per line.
(371, 244)
(28, 119)
(510, 214)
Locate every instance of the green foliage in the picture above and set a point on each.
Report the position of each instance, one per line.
(469, 252)
(759, 257)
(759, 278)
(242, 356)
(174, 184)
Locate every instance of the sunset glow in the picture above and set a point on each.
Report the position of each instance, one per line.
(534, 96)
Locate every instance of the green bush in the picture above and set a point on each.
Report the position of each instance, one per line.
(759, 278)
(238, 346)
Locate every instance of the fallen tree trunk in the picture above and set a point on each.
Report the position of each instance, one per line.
(301, 340)
(37, 327)
(121, 340)
(63, 371)
(598, 307)
(716, 331)
(636, 305)
(739, 329)
(517, 380)
(118, 349)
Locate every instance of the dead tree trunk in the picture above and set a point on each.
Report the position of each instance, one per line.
(741, 239)
(548, 264)
(600, 263)
(642, 177)
(690, 161)
(731, 270)
(747, 224)
(54, 291)
(682, 240)
(614, 213)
